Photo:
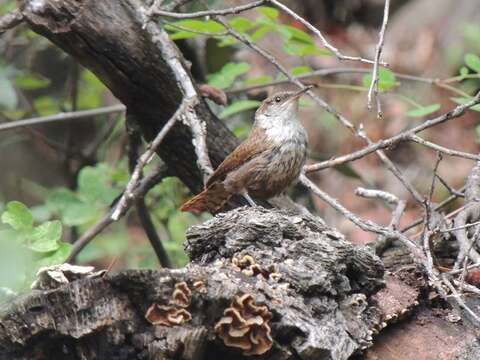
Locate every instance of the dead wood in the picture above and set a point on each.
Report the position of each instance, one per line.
(316, 286)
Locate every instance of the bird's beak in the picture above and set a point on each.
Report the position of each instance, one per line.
(300, 92)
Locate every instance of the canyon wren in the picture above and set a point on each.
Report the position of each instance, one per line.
(266, 163)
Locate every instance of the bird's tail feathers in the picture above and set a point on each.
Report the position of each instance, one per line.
(209, 200)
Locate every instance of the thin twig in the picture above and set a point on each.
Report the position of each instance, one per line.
(317, 32)
(392, 167)
(443, 149)
(373, 90)
(365, 225)
(134, 143)
(172, 56)
(145, 185)
(60, 117)
(10, 20)
(460, 302)
(377, 194)
(427, 232)
(391, 141)
(448, 187)
(155, 11)
(269, 57)
(466, 226)
(127, 196)
(437, 207)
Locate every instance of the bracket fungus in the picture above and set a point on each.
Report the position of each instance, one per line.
(200, 287)
(244, 325)
(167, 315)
(249, 267)
(181, 295)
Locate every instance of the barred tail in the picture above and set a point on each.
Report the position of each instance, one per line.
(210, 199)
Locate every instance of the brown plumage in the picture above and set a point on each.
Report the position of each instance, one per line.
(265, 164)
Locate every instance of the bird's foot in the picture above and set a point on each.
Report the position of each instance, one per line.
(249, 200)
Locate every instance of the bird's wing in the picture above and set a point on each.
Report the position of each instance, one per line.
(256, 143)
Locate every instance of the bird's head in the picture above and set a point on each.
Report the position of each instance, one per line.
(281, 106)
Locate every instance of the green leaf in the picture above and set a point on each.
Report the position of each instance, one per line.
(94, 184)
(180, 35)
(79, 214)
(297, 48)
(473, 62)
(261, 32)
(424, 110)
(301, 70)
(464, 71)
(239, 106)
(46, 105)
(386, 79)
(292, 33)
(61, 198)
(462, 101)
(227, 75)
(258, 80)
(45, 237)
(8, 96)
(241, 24)
(226, 41)
(269, 12)
(31, 81)
(56, 257)
(209, 26)
(18, 216)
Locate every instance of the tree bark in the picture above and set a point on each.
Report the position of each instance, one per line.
(108, 38)
(316, 285)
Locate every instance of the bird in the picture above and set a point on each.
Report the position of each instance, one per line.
(266, 163)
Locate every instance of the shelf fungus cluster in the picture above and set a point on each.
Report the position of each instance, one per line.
(175, 312)
(249, 267)
(244, 325)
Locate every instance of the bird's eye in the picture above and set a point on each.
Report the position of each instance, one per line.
(278, 99)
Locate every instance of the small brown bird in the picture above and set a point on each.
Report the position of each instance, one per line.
(266, 163)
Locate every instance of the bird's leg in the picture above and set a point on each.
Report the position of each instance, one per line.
(249, 199)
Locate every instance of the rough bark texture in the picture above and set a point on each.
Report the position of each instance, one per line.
(316, 285)
(107, 37)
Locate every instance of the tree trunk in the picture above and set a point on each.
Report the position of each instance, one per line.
(108, 38)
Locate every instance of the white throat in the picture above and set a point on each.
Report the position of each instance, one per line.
(283, 126)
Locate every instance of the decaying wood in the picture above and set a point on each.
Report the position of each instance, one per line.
(316, 285)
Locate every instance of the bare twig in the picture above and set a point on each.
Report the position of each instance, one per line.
(317, 32)
(60, 117)
(170, 53)
(269, 57)
(437, 207)
(134, 143)
(392, 168)
(145, 185)
(377, 194)
(10, 20)
(373, 90)
(365, 225)
(466, 226)
(128, 196)
(199, 141)
(443, 149)
(448, 187)
(427, 232)
(391, 141)
(458, 299)
(91, 233)
(383, 241)
(156, 11)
